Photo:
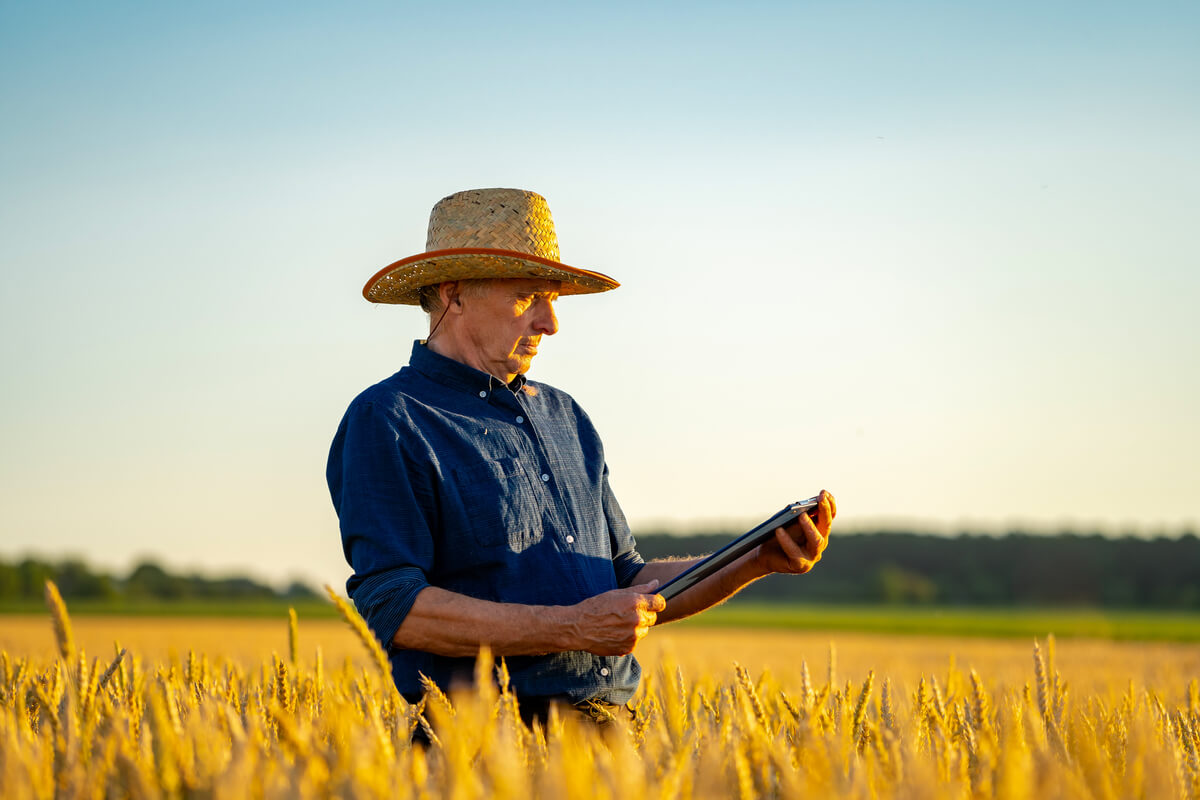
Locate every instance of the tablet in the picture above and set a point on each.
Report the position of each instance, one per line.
(735, 549)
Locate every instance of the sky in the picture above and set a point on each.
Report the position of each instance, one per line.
(938, 258)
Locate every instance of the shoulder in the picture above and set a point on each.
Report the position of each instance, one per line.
(388, 402)
(391, 395)
(550, 396)
(557, 402)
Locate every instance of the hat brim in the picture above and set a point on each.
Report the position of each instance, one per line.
(401, 281)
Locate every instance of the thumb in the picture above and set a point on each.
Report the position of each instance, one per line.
(643, 588)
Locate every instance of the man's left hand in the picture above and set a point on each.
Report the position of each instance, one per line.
(798, 547)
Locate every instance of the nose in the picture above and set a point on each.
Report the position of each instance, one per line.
(546, 322)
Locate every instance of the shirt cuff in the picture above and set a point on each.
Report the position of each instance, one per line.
(627, 566)
(384, 600)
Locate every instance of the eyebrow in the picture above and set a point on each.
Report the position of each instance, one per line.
(551, 295)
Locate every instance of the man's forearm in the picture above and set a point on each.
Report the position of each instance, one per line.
(707, 593)
(451, 624)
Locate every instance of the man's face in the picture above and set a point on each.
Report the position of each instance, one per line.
(504, 321)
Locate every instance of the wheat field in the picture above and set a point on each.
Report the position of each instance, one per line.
(197, 710)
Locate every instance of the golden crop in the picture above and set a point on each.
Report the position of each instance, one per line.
(206, 725)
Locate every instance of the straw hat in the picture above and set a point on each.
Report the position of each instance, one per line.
(484, 233)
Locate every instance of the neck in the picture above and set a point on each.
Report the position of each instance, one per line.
(447, 345)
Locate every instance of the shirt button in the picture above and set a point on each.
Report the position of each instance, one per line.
(545, 477)
(483, 394)
(570, 540)
(604, 671)
(520, 420)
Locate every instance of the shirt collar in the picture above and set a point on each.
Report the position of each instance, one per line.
(455, 374)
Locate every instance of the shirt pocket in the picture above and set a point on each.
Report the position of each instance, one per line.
(498, 502)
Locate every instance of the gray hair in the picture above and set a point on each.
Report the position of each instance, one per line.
(431, 299)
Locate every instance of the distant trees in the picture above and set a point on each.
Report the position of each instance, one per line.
(25, 580)
(1015, 569)
(902, 568)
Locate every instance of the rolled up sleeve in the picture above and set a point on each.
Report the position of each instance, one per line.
(385, 504)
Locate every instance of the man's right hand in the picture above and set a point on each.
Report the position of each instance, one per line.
(611, 624)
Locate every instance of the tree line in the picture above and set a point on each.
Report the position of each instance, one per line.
(25, 579)
(1013, 569)
(894, 567)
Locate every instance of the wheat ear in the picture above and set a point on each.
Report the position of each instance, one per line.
(293, 637)
(858, 726)
(62, 623)
(359, 626)
(112, 669)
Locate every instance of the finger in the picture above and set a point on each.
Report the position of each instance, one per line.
(824, 513)
(656, 602)
(832, 504)
(647, 618)
(791, 548)
(651, 602)
(814, 539)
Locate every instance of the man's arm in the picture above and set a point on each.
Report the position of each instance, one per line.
(795, 549)
(451, 624)
(611, 623)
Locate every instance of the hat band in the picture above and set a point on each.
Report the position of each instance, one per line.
(517, 255)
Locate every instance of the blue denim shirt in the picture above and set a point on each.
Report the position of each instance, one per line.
(443, 475)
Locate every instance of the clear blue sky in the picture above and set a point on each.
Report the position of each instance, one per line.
(939, 258)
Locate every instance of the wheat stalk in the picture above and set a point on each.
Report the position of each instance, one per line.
(363, 631)
(858, 725)
(760, 712)
(293, 638)
(64, 636)
(886, 713)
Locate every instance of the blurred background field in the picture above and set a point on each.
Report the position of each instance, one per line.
(1116, 624)
(895, 583)
(1069, 569)
(1002, 622)
(1087, 662)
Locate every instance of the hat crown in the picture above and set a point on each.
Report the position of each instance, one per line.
(495, 219)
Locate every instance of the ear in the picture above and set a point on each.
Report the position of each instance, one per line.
(450, 295)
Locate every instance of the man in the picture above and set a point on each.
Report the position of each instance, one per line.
(474, 505)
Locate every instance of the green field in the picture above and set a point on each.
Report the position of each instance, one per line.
(1024, 622)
